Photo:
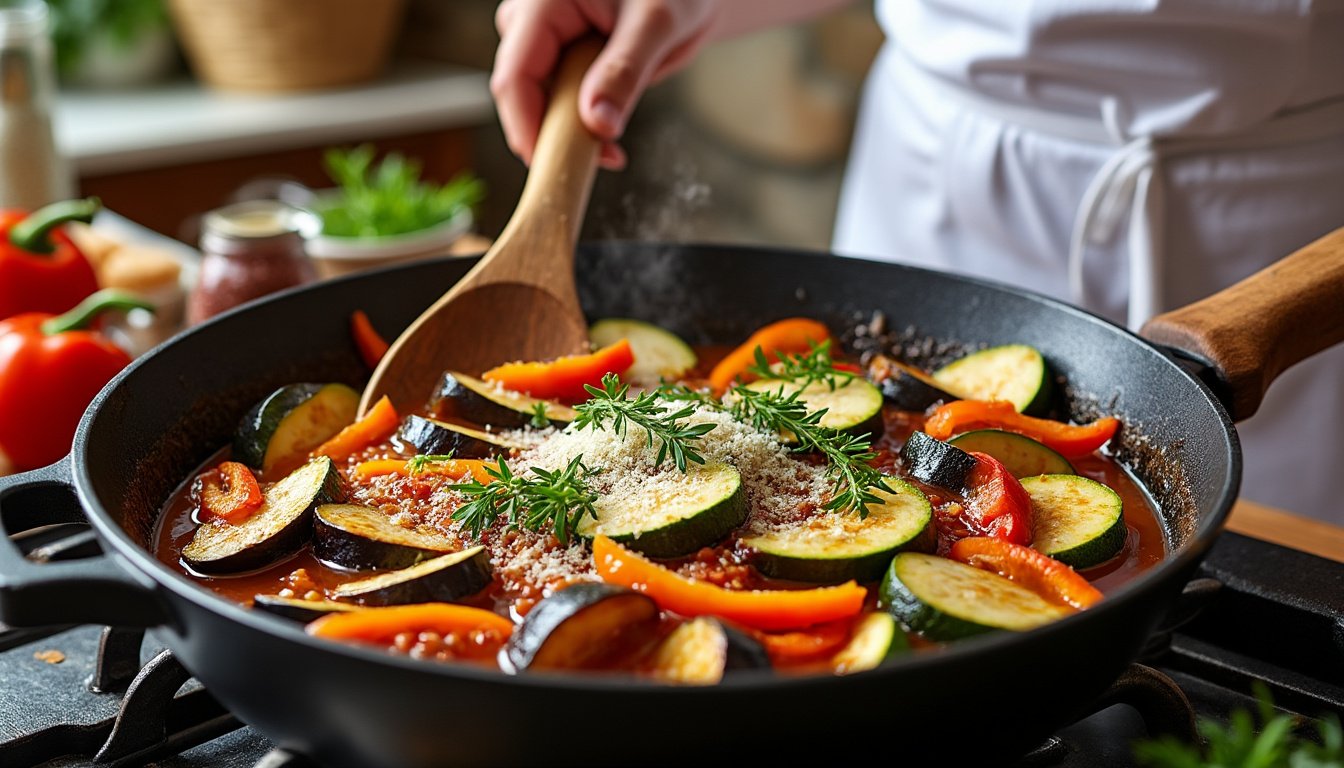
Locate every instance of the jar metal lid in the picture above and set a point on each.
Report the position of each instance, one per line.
(260, 220)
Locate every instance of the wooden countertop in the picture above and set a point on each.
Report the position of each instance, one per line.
(1289, 530)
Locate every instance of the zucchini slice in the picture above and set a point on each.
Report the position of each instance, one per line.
(280, 430)
(659, 354)
(275, 532)
(905, 386)
(299, 610)
(442, 580)
(672, 514)
(440, 437)
(876, 639)
(946, 600)
(480, 402)
(834, 548)
(931, 461)
(1022, 456)
(855, 406)
(1014, 372)
(703, 651)
(359, 538)
(583, 626)
(1078, 521)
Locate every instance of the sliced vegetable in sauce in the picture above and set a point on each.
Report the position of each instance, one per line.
(1070, 440)
(564, 379)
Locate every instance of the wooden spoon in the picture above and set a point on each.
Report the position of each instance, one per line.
(519, 302)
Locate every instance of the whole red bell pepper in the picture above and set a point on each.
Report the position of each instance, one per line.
(41, 270)
(49, 372)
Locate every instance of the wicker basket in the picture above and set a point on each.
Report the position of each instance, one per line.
(286, 45)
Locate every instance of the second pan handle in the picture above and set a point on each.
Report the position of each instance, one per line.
(1256, 329)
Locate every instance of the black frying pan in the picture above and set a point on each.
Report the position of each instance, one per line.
(351, 706)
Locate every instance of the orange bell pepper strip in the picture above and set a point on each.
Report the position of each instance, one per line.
(376, 426)
(230, 492)
(795, 335)
(368, 341)
(565, 377)
(1040, 573)
(996, 503)
(454, 468)
(758, 609)
(1070, 440)
(382, 625)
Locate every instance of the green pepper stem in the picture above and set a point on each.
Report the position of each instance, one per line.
(89, 308)
(30, 234)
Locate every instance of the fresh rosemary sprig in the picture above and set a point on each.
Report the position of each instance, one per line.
(803, 368)
(539, 418)
(853, 478)
(421, 461)
(557, 499)
(611, 405)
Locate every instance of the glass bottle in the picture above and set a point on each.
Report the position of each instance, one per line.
(32, 171)
(248, 250)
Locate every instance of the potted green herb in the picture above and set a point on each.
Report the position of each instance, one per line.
(111, 43)
(381, 214)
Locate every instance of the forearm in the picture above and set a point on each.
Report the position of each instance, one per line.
(738, 17)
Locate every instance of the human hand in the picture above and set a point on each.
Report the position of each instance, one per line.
(646, 40)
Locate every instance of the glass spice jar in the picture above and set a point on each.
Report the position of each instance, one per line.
(248, 250)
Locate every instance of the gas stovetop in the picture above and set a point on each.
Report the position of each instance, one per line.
(112, 696)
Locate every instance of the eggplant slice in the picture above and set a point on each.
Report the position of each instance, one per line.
(703, 651)
(481, 402)
(440, 437)
(275, 532)
(584, 626)
(905, 386)
(302, 611)
(442, 580)
(360, 538)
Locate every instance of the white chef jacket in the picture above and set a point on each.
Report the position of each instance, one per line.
(1129, 156)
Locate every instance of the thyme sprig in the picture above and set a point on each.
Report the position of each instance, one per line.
(539, 418)
(612, 407)
(421, 461)
(804, 368)
(853, 478)
(556, 499)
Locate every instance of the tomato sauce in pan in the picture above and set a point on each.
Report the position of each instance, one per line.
(303, 576)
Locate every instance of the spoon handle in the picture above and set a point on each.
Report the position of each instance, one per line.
(550, 210)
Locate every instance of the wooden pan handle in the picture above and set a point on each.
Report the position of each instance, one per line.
(1260, 327)
(555, 196)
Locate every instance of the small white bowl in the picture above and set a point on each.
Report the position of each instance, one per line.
(333, 256)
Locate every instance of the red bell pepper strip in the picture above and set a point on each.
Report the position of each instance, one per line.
(805, 645)
(382, 625)
(759, 609)
(996, 503)
(565, 377)
(41, 269)
(1043, 575)
(49, 373)
(1071, 440)
(229, 492)
(368, 341)
(378, 424)
(795, 335)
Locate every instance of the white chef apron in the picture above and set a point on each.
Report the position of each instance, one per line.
(1127, 156)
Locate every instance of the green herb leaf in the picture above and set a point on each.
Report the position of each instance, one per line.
(388, 198)
(803, 368)
(539, 418)
(611, 407)
(555, 499)
(421, 461)
(1240, 745)
(853, 478)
